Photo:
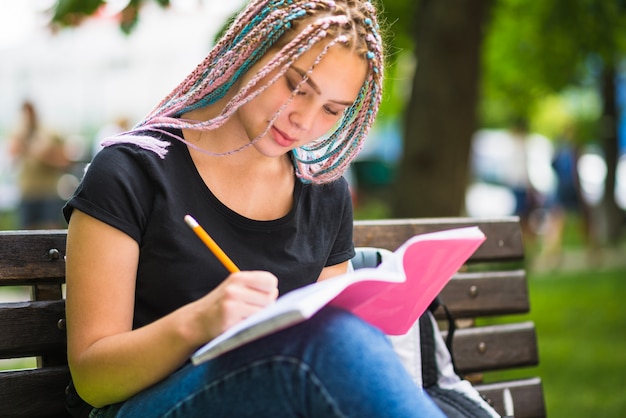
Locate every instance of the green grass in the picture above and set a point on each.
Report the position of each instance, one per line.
(581, 327)
(8, 220)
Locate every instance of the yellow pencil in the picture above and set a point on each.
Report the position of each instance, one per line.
(208, 241)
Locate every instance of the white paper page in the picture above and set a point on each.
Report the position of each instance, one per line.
(289, 309)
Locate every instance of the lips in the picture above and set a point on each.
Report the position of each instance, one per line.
(282, 138)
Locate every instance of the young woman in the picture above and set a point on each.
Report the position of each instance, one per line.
(253, 145)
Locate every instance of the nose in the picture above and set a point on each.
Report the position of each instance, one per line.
(303, 119)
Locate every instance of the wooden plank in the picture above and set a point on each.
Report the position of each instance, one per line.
(31, 329)
(504, 236)
(29, 255)
(46, 292)
(526, 394)
(495, 347)
(38, 393)
(470, 295)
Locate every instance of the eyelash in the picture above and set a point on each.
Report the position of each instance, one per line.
(292, 87)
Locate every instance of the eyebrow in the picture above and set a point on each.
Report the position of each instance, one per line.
(315, 87)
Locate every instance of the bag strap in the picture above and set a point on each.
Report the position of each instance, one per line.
(430, 373)
(436, 303)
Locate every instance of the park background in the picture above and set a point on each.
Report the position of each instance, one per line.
(460, 73)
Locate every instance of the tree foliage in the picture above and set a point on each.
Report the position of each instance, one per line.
(535, 48)
(74, 12)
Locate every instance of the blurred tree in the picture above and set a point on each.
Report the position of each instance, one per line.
(530, 50)
(441, 115)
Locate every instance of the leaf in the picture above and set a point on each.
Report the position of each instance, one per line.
(73, 12)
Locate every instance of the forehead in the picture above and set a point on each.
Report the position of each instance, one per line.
(335, 62)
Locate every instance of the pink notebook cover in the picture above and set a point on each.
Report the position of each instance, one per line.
(429, 262)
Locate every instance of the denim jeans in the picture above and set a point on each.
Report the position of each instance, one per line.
(333, 365)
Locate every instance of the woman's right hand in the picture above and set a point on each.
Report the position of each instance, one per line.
(241, 295)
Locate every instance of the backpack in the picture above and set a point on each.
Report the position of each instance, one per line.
(428, 358)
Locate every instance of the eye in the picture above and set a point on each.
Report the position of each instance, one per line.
(330, 111)
(291, 85)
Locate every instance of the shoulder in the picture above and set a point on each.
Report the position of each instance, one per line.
(339, 186)
(145, 153)
(125, 169)
(329, 200)
(117, 163)
(328, 192)
(150, 144)
(117, 188)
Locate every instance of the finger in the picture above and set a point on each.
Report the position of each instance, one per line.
(241, 293)
(261, 281)
(256, 298)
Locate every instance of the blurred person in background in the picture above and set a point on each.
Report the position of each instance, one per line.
(568, 203)
(41, 160)
(517, 177)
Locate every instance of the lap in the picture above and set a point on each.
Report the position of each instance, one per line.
(332, 365)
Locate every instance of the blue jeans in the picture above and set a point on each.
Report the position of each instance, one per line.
(334, 365)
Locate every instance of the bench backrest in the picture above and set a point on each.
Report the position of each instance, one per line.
(493, 283)
(36, 328)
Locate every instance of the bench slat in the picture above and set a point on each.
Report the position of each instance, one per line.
(527, 396)
(38, 393)
(30, 329)
(470, 295)
(495, 347)
(26, 256)
(504, 237)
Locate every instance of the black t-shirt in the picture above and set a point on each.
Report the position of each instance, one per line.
(147, 197)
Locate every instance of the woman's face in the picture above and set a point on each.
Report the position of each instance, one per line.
(331, 88)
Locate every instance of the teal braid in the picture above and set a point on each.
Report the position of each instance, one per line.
(270, 39)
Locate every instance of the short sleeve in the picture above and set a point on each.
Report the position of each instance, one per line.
(343, 248)
(116, 189)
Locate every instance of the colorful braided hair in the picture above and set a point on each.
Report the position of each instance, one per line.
(292, 27)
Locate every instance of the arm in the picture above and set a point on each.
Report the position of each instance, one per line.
(332, 271)
(109, 360)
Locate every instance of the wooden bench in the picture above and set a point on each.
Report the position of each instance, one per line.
(492, 283)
